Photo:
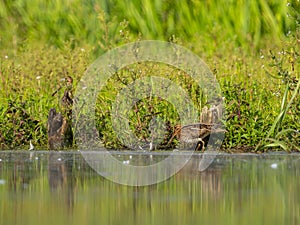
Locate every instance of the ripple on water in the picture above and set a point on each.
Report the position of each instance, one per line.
(2, 182)
(274, 166)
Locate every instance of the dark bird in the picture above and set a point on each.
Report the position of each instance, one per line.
(59, 124)
(59, 131)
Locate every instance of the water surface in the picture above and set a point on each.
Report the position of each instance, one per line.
(60, 188)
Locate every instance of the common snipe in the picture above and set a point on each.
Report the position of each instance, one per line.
(198, 132)
(59, 124)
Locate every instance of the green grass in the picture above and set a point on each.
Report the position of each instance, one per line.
(54, 22)
(243, 42)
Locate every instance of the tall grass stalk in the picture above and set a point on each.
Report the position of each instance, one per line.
(276, 130)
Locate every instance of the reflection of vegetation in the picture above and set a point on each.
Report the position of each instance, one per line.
(62, 188)
(238, 47)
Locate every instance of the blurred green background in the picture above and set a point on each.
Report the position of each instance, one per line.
(245, 23)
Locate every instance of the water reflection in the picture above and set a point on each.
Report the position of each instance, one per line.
(60, 188)
(61, 178)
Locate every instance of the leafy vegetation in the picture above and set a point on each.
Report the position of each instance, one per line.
(251, 46)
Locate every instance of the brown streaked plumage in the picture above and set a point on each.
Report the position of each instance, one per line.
(59, 131)
(198, 132)
(59, 123)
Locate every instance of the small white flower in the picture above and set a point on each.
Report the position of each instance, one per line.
(6, 57)
(262, 56)
(38, 77)
(82, 50)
